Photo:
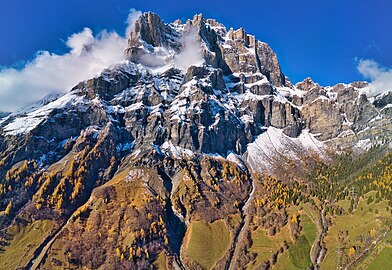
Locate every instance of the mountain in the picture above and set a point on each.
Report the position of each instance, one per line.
(196, 152)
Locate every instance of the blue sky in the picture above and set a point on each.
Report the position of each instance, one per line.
(316, 38)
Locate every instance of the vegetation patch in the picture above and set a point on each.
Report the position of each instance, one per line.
(23, 240)
(309, 229)
(161, 263)
(352, 233)
(264, 245)
(208, 242)
(382, 260)
(298, 254)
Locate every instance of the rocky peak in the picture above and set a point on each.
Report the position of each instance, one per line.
(151, 32)
(306, 85)
(216, 106)
(240, 34)
(360, 84)
(233, 52)
(198, 19)
(4, 114)
(150, 28)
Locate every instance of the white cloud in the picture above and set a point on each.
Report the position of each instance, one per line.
(51, 73)
(380, 77)
(191, 53)
(132, 18)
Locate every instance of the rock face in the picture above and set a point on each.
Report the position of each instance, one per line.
(383, 100)
(151, 29)
(170, 144)
(232, 51)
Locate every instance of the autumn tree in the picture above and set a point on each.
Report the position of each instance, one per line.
(372, 233)
(8, 210)
(351, 251)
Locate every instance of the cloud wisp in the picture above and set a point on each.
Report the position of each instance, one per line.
(380, 77)
(191, 53)
(50, 73)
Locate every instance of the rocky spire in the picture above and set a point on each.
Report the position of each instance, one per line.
(306, 84)
(233, 52)
(150, 28)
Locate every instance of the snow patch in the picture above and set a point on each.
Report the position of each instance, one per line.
(176, 151)
(274, 145)
(365, 144)
(235, 159)
(24, 123)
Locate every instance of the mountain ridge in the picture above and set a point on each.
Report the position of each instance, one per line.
(168, 150)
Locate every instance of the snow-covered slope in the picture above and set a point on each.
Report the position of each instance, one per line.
(273, 150)
(27, 120)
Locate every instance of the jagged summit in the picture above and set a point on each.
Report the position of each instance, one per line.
(306, 85)
(152, 37)
(150, 28)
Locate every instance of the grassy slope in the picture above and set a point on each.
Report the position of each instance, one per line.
(309, 229)
(208, 242)
(358, 223)
(161, 262)
(264, 244)
(24, 240)
(298, 252)
(382, 261)
(297, 256)
(377, 257)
